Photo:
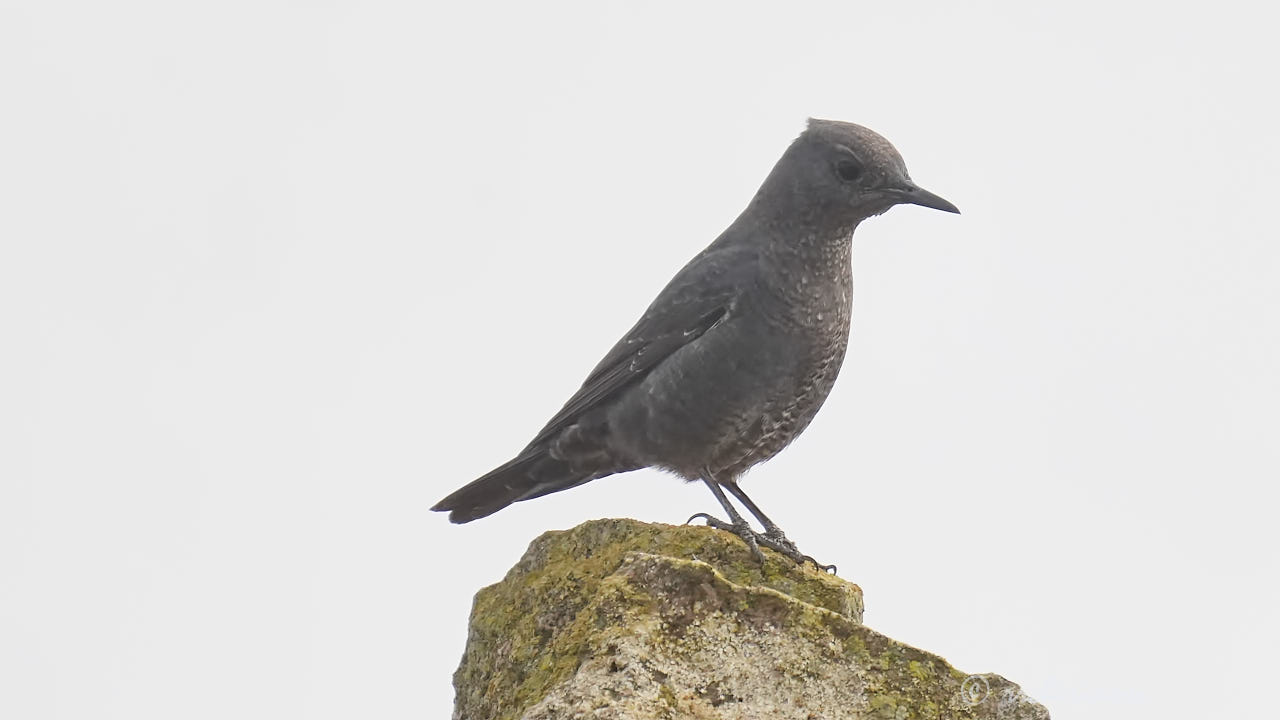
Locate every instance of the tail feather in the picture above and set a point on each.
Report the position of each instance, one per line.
(532, 474)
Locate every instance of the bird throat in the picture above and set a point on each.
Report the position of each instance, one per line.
(810, 273)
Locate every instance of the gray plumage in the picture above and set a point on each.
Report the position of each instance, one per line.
(736, 355)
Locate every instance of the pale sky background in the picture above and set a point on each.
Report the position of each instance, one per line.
(275, 277)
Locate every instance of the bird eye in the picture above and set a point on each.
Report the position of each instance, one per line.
(848, 170)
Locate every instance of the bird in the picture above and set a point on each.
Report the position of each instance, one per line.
(735, 356)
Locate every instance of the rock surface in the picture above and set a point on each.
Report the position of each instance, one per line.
(623, 620)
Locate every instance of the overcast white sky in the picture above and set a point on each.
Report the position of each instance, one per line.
(275, 277)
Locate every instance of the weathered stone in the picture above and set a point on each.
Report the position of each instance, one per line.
(622, 620)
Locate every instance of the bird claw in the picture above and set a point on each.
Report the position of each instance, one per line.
(824, 568)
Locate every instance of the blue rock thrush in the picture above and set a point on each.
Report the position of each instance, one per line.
(737, 354)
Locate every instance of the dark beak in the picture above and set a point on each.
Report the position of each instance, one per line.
(913, 195)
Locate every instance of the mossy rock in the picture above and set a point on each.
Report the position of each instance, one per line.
(627, 620)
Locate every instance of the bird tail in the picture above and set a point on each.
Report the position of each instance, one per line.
(532, 474)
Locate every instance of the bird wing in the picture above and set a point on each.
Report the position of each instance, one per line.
(696, 299)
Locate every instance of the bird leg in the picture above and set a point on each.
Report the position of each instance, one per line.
(778, 540)
(736, 525)
(771, 529)
(773, 537)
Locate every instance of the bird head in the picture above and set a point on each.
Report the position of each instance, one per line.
(851, 171)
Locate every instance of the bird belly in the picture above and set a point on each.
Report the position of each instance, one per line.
(734, 399)
(784, 421)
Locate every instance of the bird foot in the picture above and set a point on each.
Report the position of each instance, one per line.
(742, 530)
(784, 545)
(773, 539)
(776, 535)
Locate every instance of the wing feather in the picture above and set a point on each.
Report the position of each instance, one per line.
(698, 298)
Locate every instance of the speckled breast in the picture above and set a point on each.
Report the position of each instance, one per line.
(800, 395)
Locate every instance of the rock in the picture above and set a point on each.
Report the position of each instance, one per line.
(623, 620)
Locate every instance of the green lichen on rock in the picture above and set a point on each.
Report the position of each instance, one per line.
(627, 620)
